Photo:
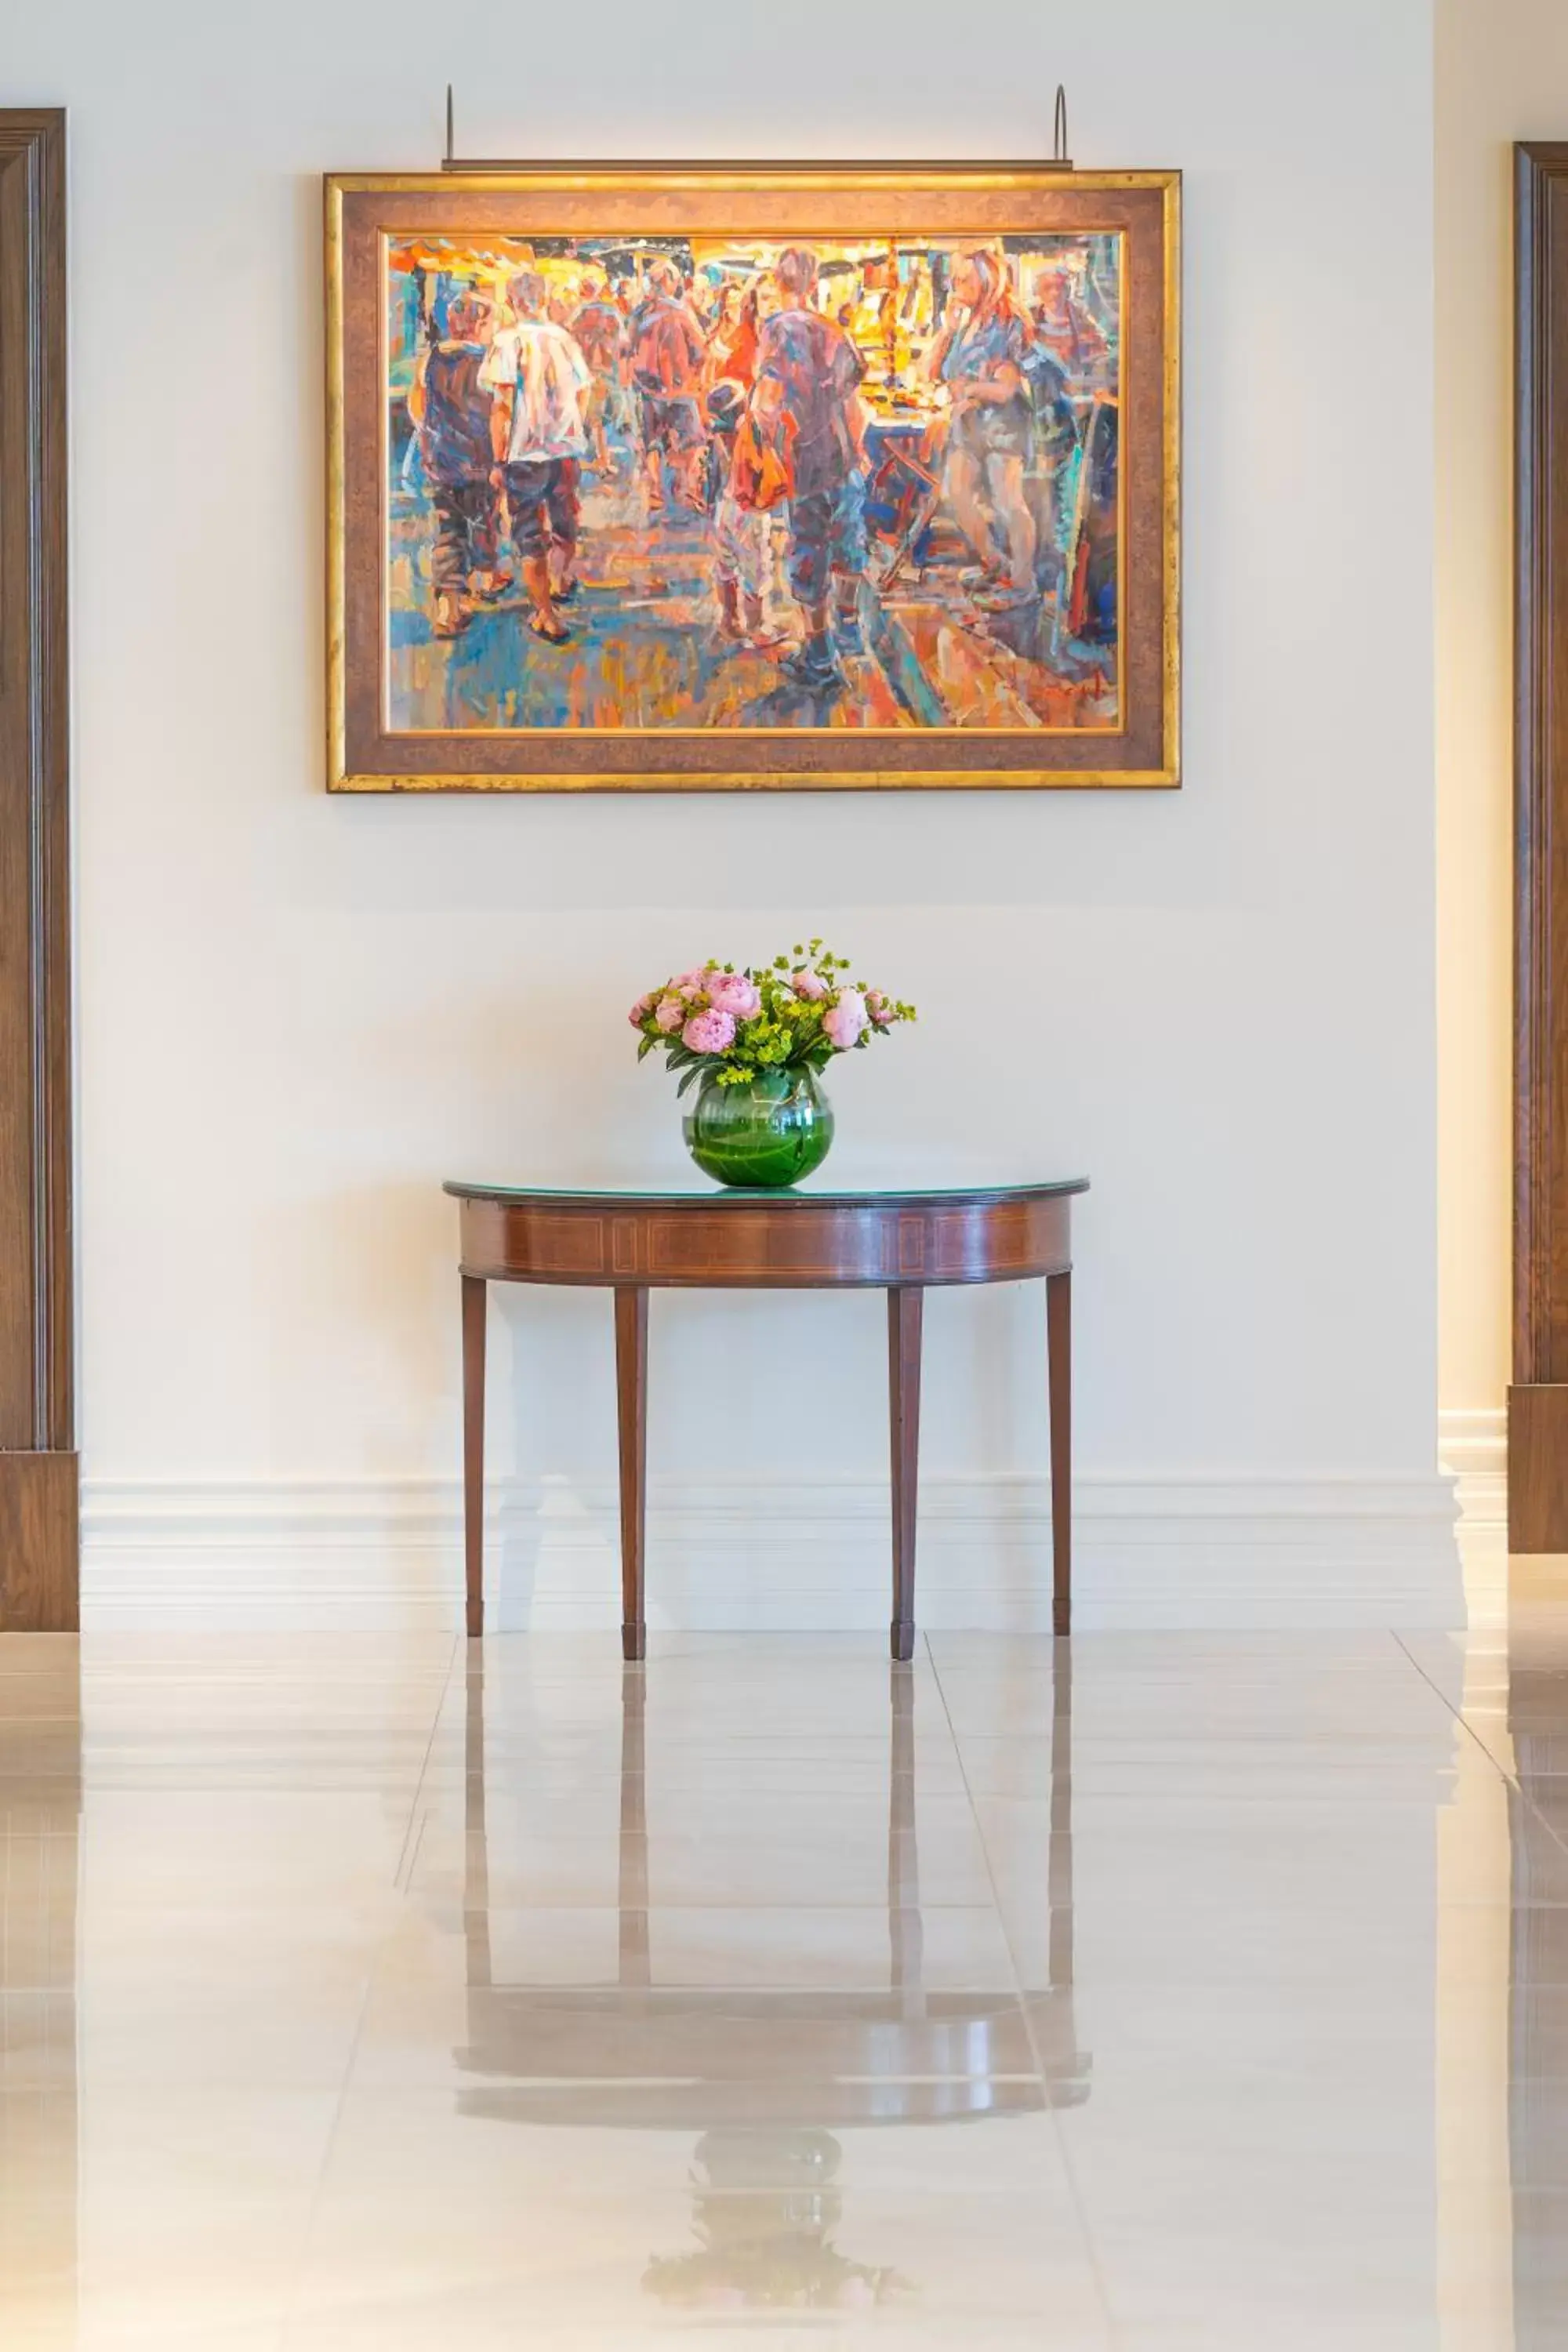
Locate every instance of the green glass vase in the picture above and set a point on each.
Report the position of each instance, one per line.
(766, 1133)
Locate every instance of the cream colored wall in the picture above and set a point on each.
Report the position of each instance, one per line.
(1501, 75)
(298, 1015)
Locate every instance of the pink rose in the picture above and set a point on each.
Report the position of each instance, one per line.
(846, 1022)
(878, 1006)
(669, 1015)
(809, 984)
(709, 1033)
(642, 1008)
(731, 992)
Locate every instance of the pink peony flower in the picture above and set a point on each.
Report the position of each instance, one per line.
(669, 1015)
(731, 992)
(642, 1008)
(695, 984)
(809, 984)
(878, 1006)
(709, 1033)
(846, 1022)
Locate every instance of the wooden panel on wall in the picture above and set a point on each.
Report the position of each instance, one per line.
(38, 1525)
(38, 1543)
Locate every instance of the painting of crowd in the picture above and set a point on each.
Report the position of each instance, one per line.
(647, 484)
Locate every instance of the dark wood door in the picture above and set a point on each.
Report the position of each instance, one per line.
(38, 1569)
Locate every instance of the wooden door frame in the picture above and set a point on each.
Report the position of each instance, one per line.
(38, 1473)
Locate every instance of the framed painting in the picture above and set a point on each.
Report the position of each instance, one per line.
(706, 479)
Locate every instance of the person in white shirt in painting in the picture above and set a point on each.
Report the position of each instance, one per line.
(539, 381)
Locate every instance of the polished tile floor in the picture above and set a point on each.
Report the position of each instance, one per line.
(1166, 1992)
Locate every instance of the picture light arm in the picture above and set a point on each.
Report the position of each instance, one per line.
(1060, 161)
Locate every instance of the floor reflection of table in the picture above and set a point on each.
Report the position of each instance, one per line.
(904, 2053)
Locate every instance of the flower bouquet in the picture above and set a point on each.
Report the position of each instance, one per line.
(754, 1043)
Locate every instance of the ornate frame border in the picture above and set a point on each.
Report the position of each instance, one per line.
(362, 755)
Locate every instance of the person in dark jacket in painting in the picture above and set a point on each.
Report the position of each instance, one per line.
(451, 413)
(812, 372)
(668, 354)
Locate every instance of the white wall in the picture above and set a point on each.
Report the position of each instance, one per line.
(299, 1014)
(1501, 75)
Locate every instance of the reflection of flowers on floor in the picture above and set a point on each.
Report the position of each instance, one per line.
(763, 2206)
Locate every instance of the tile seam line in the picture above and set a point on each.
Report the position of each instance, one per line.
(414, 1802)
(294, 2307)
(1091, 2253)
(1512, 1779)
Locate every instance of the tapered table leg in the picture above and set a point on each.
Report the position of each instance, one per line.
(1059, 1366)
(904, 1310)
(631, 1390)
(474, 1304)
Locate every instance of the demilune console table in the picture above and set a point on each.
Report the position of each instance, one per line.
(903, 1242)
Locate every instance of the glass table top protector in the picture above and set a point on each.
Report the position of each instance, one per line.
(698, 1189)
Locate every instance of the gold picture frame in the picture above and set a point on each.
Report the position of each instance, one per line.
(1061, 668)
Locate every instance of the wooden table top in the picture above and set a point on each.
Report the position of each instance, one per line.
(703, 1237)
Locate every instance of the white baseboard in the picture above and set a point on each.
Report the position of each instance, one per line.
(723, 1554)
(1472, 1447)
